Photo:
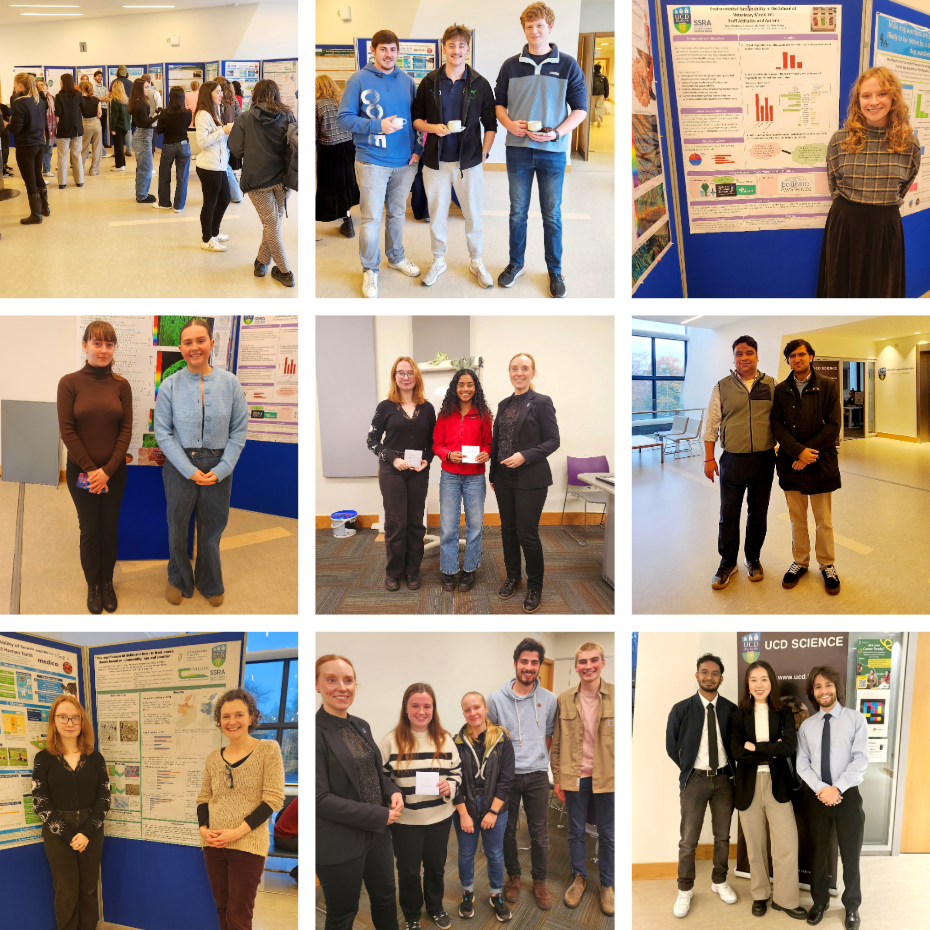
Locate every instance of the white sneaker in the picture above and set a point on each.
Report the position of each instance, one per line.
(436, 268)
(484, 278)
(683, 904)
(220, 237)
(179, 211)
(107, 154)
(112, 169)
(158, 206)
(213, 246)
(370, 283)
(406, 266)
(727, 894)
(47, 174)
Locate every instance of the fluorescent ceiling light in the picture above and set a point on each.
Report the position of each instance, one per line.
(49, 6)
(150, 7)
(51, 14)
(691, 319)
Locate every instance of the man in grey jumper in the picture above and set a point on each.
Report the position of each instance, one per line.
(527, 711)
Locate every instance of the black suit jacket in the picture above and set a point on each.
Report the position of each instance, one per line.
(685, 726)
(771, 753)
(342, 818)
(536, 437)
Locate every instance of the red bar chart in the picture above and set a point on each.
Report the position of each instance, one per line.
(764, 112)
(290, 366)
(785, 65)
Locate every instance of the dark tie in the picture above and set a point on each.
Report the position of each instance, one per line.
(712, 737)
(825, 752)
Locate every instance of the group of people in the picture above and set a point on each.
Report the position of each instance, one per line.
(200, 451)
(751, 413)
(406, 433)
(242, 787)
(754, 757)
(499, 758)
(76, 120)
(383, 132)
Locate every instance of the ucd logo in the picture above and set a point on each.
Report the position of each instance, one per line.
(682, 18)
(752, 646)
(219, 655)
(881, 374)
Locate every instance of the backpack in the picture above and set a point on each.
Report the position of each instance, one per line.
(597, 85)
(290, 158)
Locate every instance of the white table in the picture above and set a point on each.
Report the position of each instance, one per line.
(647, 442)
(598, 481)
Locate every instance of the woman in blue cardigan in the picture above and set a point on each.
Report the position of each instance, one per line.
(201, 419)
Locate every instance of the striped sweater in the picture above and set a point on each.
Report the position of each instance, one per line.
(423, 808)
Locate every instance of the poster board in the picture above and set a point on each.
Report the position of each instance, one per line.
(89, 71)
(183, 72)
(246, 73)
(157, 71)
(134, 71)
(415, 56)
(53, 75)
(284, 72)
(210, 71)
(336, 61)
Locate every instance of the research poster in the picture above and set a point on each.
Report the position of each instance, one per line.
(155, 730)
(246, 73)
(53, 77)
(89, 71)
(336, 61)
(157, 73)
(135, 71)
(651, 230)
(284, 74)
(415, 56)
(267, 370)
(210, 70)
(904, 48)
(873, 684)
(184, 72)
(32, 676)
(759, 98)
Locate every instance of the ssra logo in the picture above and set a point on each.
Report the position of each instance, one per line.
(681, 17)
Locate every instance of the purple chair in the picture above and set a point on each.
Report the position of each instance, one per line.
(589, 495)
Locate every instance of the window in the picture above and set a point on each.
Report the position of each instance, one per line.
(273, 682)
(658, 375)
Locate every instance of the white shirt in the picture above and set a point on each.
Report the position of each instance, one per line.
(703, 757)
(762, 727)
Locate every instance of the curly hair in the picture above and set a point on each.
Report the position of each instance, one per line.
(831, 674)
(898, 131)
(450, 403)
(247, 698)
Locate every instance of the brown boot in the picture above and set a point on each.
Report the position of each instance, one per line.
(512, 888)
(574, 892)
(543, 898)
(607, 900)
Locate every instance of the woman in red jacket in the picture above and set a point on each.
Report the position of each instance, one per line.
(462, 441)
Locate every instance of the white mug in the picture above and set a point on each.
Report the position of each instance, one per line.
(399, 123)
(454, 125)
(534, 125)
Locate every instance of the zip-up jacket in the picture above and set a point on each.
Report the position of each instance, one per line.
(495, 767)
(568, 741)
(451, 433)
(745, 415)
(686, 722)
(28, 123)
(530, 719)
(259, 138)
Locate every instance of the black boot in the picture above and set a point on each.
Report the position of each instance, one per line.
(449, 582)
(260, 269)
(109, 597)
(466, 581)
(533, 597)
(94, 599)
(347, 229)
(508, 587)
(43, 202)
(35, 217)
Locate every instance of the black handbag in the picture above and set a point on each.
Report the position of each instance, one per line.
(796, 781)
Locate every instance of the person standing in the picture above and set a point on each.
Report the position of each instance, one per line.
(122, 75)
(527, 711)
(806, 418)
(93, 135)
(190, 98)
(336, 186)
(100, 92)
(51, 137)
(5, 116)
(142, 132)
(211, 165)
(739, 410)
(175, 150)
(401, 433)
(582, 764)
(120, 123)
(70, 132)
(557, 98)
(230, 110)
(697, 740)
(833, 754)
(375, 108)
(600, 91)
(28, 125)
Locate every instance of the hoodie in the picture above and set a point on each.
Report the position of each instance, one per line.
(259, 138)
(529, 719)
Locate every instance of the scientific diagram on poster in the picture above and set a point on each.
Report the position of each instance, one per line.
(415, 56)
(873, 684)
(758, 95)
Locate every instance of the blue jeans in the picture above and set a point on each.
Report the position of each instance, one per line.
(549, 168)
(577, 804)
(493, 842)
(382, 189)
(178, 154)
(235, 195)
(453, 489)
(212, 505)
(128, 148)
(47, 158)
(142, 149)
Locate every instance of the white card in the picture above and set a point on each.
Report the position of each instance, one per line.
(413, 457)
(427, 783)
(470, 454)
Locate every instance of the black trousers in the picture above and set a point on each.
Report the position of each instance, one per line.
(98, 518)
(700, 791)
(533, 788)
(342, 885)
(215, 201)
(5, 144)
(29, 162)
(748, 474)
(416, 845)
(75, 875)
(849, 820)
(520, 510)
(404, 496)
(119, 147)
(104, 137)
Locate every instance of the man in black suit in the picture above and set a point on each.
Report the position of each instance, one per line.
(696, 739)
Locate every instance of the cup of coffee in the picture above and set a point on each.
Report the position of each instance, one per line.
(534, 125)
(454, 125)
(398, 122)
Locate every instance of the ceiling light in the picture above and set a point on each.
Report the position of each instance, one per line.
(51, 14)
(150, 7)
(691, 319)
(49, 6)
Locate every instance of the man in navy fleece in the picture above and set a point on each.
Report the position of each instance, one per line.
(541, 83)
(386, 155)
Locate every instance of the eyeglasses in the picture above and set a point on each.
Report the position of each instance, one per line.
(65, 720)
(405, 374)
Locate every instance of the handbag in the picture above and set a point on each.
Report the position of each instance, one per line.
(796, 781)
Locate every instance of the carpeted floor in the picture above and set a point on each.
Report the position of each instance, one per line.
(350, 578)
(526, 915)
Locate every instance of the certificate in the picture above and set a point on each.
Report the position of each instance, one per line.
(413, 457)
(427, 783)
(470, 454)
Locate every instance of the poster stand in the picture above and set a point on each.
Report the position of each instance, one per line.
(285, 72)
(246, 73)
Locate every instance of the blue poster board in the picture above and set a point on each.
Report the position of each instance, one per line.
(247, 73)
(134, 72)
(415, 56)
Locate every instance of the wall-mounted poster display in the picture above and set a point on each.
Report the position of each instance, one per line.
(89, 71)
(246, 73)
(283, 71)
(415, 56)
(37, 71)
(157, 73)
(53, 75)
(336, 61)
(210, 70)
(184, 72)
(135, 71)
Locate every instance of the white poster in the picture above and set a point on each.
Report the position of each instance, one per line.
(184, 72)
(37, 71)
(210, 70)
(759, 98)
(873, 705)
(878, 750)
(53, 77)
(246, 73)
(89, 71)
(31, 678)
(155, 728)
(284, 74)
(134, 71)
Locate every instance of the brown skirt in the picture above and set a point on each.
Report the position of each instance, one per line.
(862, 254)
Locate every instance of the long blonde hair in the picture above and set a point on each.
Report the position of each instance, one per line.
(525, 354)
(118, 92)
(327, 88)
(29, 84)
(494, 729)
(898, 131)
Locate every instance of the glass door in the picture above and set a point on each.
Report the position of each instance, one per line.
(869, 400)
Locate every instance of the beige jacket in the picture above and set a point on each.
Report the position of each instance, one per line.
(565, 754)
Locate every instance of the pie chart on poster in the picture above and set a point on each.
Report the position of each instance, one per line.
(695, 159)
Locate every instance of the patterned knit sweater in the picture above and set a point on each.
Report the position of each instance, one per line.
(259, 778)
(423, 808)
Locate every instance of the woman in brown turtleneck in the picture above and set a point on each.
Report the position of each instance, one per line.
(95, 419)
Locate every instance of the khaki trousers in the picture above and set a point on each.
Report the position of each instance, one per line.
(783, 831)
(822, 506)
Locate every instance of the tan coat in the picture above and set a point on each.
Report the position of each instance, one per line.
(565, 754)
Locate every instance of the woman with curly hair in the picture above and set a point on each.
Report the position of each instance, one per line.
(871, 163)
(462, 442)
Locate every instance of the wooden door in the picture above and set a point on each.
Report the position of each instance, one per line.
(546, 673)
(580, 135)
(915, 830)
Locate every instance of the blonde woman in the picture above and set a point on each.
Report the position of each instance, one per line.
(28, 125)
(336, 187)
(120, 123)
(93, 131)
(52, 135)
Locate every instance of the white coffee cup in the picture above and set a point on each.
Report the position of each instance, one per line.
(534, 125)
(454, 125)
(399, 123)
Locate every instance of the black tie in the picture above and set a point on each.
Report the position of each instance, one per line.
(712, 737)
(825, 752)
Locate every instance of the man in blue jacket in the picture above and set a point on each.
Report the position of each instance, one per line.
(697, 740)
(375, 108)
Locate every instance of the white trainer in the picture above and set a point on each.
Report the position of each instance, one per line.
(370, 283)
(683, 904)
(221, 237)
(213, 246)
(158, 206)
(436, 267)
(484, 278)
(406, 266)
(727, 894)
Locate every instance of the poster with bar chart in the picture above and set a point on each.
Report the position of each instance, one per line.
(267, 369)
(904, 48)
(758, 98)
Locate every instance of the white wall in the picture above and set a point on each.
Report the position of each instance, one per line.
(575, 367)
(896, 396)
(597, 16)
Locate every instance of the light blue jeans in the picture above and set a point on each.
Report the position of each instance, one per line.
(382, 187)
(493, 842)
(453, 490)
(142, 149)
(235, 195)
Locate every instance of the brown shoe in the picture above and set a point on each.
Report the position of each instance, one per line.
(392, 584)
(512, 888)
(413, 582)
(543, 898)
(574, 892)
(216, 600)
(173, 595)
(607, 900)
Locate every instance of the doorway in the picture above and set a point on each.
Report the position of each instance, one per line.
(854, 408)
(594, 138)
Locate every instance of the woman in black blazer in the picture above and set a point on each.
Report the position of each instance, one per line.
(763, 741)
(525, 434)
(355, 802)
